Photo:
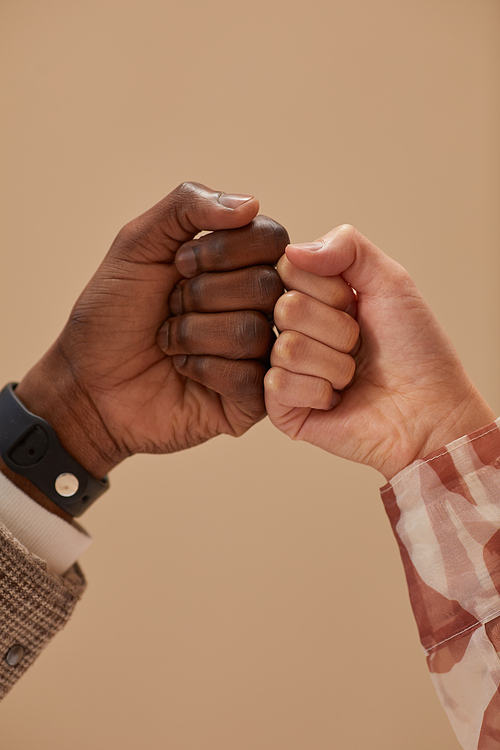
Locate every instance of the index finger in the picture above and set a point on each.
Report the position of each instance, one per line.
(262, 242)
(331, 290)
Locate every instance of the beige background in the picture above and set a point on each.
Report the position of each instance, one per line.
(246, 594)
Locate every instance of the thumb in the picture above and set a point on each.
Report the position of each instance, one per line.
(187, 210)
(345, 251)
(192, 207)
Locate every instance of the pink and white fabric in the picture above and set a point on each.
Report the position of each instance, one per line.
(445, 514)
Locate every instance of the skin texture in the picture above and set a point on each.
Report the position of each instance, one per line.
(410, 393)
(125, 376)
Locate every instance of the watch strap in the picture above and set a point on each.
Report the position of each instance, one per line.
(30, 447)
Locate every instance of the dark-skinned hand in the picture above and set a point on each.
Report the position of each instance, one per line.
(167, 345)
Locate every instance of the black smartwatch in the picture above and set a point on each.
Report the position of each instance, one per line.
(29, 446)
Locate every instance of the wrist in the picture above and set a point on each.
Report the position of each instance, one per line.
(31, 450)
(50, 391)
(468, 416)
(441, 428)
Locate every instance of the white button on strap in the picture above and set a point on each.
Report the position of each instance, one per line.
(66, 485)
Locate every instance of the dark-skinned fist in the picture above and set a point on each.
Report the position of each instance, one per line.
(169, 342)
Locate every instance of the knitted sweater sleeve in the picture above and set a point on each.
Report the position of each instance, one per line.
(34, 605)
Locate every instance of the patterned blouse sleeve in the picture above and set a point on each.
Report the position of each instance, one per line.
(445, 514)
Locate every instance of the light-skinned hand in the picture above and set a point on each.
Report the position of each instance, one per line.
(409, 393)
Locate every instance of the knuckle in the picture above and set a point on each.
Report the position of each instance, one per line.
(269, 285)
(284, 266)
(251, 332)
(347, 231)
(249, 379)
(346, 236)
(268, 228)
(288, 309)
(181, 201)
(288, 273)
(186, 191)
(274, 380)
(211, 251)
(288, 346)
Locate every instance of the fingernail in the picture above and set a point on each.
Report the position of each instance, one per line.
(335, 400)
(352, 309)
(230, 200)
(185, 261)
(162, 337)
(175, 301)
(179, 360)
(308, 245)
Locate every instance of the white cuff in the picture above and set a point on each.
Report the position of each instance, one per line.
(44, 534)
